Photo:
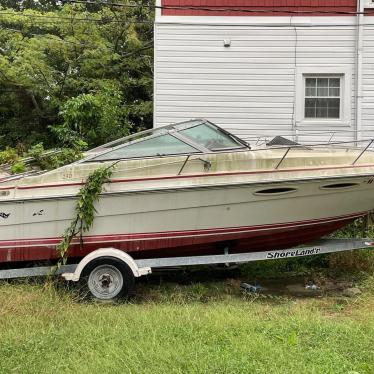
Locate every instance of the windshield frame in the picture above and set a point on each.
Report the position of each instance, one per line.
(241, 144)
(173, 130)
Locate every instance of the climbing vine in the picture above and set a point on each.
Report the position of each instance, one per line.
(85, 211)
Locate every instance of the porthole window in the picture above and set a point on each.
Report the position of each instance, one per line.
(339, 186)
(275, 191)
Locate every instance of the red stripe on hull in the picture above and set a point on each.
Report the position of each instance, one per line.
(172, 234)
(242, 241)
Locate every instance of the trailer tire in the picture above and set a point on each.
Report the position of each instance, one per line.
(109, 279)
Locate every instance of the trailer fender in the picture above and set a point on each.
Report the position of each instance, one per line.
(107, 252)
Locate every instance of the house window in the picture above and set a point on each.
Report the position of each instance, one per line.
(322, 97)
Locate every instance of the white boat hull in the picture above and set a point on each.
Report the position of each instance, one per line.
(179, 220)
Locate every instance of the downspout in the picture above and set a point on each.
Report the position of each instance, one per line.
(359, 50)
(158, 15)
(295, 133)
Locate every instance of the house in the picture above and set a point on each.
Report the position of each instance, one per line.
(298, 68)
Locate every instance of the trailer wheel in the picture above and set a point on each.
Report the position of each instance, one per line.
(108, 278)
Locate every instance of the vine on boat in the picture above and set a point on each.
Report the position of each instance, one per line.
(85, 211)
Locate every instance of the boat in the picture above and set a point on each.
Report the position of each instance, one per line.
(190, 188)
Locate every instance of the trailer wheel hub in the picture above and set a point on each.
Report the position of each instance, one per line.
(105, 282)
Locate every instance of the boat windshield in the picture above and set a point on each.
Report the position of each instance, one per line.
(195, 136)
(210, 137)
(157, 146)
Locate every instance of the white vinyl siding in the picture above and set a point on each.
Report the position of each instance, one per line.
(368, 83)
(250, 87)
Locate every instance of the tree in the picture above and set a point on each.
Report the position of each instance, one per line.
(70, 55)
(95, 117)
(44, 5)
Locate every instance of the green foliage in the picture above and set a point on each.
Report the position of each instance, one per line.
(168, 329)
(65, 156)
(95, 117)
(41, 158)
(9, 156)
(68, 138)
(37, 152)
(31, 4)
(357, 229)
(18, 167)
(362, 260)
(84, 210)
(48, 160)
(93, 64)
(352, 261)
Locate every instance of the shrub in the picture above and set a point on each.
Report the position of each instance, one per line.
(18, 167)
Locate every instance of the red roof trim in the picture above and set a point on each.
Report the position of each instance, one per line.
(259, 7)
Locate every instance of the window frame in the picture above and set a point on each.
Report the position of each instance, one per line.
(325, 97)
(344, 73)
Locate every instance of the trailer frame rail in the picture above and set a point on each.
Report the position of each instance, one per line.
(323, 246)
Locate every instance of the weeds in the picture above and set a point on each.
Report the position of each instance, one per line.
(204, 327)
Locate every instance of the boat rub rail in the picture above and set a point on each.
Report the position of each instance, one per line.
(127, 180)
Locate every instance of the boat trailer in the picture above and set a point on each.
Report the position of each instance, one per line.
(110, 273)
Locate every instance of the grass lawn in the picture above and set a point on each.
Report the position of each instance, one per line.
(206, 326)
